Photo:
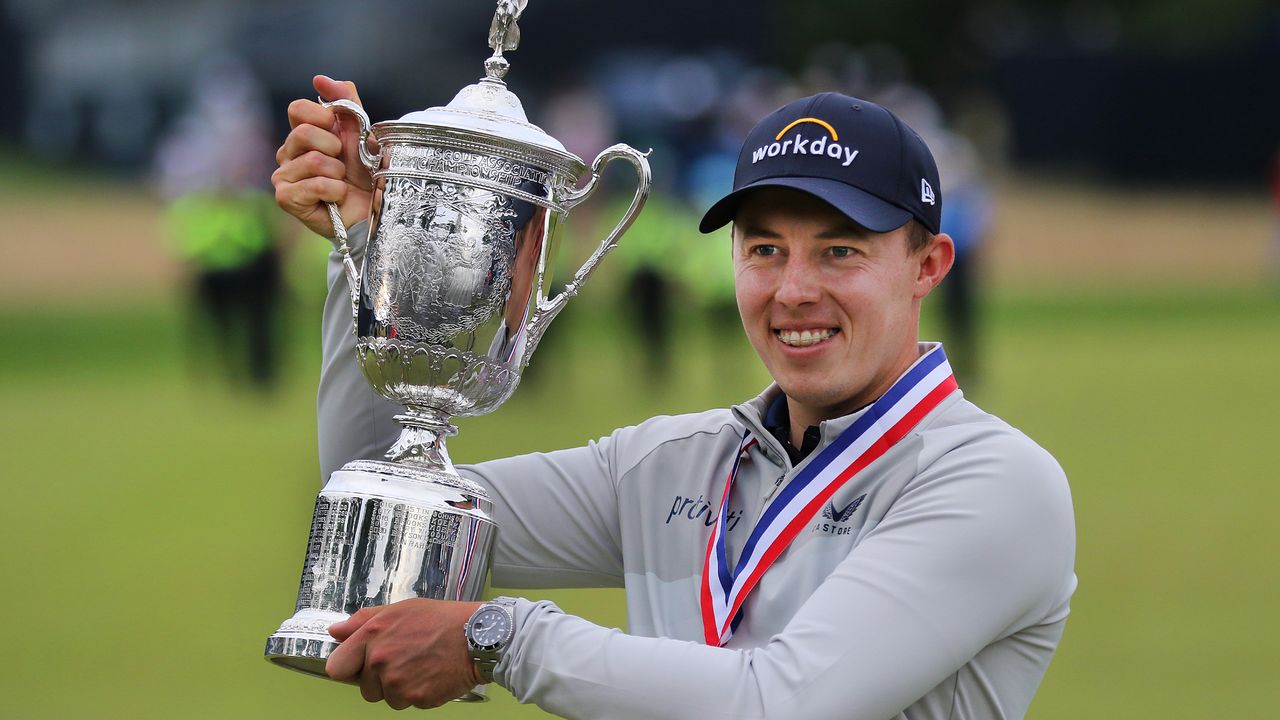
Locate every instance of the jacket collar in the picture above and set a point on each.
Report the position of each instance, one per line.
(752, 415)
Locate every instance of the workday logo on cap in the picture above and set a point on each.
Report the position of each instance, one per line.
(827, 145)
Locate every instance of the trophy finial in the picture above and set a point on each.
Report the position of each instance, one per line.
(504, 34)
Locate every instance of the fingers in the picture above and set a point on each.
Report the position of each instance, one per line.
(303, 200)
(301, 184)
(346, 662)
(310, 112)
(331, 89)
(343, 630)
(319, 162)
(349, 659)
(307, 137)
(400, 697)
(312, 163)
(406, 654)
(371, 687)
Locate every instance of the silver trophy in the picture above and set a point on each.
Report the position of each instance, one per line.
(448, 307)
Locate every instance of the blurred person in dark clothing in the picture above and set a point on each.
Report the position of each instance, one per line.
(966, 217)
(652, 259)
(220, 220)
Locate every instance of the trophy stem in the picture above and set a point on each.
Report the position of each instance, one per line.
(422, 438)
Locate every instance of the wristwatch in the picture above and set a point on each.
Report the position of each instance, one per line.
(489, 632)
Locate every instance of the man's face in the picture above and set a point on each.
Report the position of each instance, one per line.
(831, 307)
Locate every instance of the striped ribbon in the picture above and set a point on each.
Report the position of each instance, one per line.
(918, 391)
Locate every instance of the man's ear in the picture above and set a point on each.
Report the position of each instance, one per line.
(936, 260)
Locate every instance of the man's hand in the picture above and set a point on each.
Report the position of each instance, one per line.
(319, 161)
(408, 653)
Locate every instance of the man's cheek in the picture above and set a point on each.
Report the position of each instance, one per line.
(751, 290)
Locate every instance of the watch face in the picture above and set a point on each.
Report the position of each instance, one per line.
(490, 626)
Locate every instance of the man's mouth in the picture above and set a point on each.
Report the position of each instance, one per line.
(805, 338)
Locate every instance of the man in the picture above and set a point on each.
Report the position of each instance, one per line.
(859, 541)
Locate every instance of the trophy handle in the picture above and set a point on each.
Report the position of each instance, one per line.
(369, 159)
(371, 162)
(353, 274)
(547, 309)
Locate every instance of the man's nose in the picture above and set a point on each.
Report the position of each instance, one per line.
(798, 284)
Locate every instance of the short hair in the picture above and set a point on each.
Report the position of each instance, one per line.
(918, 236)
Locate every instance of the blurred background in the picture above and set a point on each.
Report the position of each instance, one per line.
(1110, 174)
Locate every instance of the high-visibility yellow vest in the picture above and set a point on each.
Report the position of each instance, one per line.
(220, 231)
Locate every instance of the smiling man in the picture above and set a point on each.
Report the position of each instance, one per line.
(859, 541)
(831, 307)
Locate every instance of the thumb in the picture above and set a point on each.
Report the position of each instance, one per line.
(345, 629)
(331, 89)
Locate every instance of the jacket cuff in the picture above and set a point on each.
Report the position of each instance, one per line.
(525, 612)
(357, 236)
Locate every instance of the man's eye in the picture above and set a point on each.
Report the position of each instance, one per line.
(764, 250)
(840, 251)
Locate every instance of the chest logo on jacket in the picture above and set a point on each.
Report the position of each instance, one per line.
(688, 508)
(837, 517)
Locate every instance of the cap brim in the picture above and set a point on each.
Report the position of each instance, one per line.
(859, 206)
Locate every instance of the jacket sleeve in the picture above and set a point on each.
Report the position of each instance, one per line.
(557, 516)
(968, 555)
(353, 421)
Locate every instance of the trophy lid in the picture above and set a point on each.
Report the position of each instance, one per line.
(487, 108)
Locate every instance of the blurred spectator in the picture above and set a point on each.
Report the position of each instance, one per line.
(705, 270)
(651, 255)
(213, 168)
(967, 205)
(966, 217)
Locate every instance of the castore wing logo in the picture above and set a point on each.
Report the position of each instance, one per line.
(831, 512)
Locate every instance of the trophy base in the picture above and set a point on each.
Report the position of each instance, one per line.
(384, 532)
(309, 655)
(305, 655)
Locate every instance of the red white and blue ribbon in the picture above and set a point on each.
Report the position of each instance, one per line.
(472, 533)
(889, 419)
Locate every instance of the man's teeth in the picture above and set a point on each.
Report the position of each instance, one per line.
(802, 338)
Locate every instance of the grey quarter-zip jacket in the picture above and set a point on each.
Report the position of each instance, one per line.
(935, 584)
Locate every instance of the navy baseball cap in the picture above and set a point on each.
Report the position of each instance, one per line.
(853, 154)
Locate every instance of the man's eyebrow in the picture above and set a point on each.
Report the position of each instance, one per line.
(754, 229)
(846, 231)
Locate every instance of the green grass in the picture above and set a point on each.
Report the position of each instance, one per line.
(1158, 408)
(154, 521)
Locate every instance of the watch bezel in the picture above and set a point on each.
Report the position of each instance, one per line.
(485, 609)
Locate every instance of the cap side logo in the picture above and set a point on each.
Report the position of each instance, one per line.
(926, 192)
(799, 145)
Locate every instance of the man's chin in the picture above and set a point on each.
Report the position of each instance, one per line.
(808, 395)
(826, 400)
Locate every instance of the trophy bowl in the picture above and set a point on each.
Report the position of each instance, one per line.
(447, 309)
